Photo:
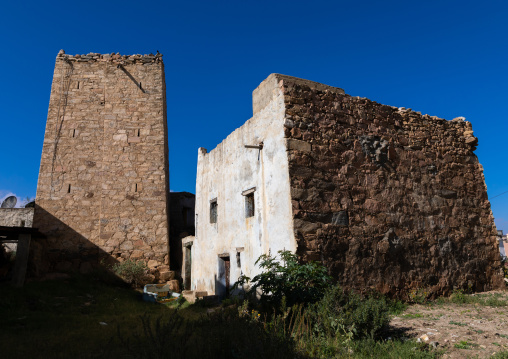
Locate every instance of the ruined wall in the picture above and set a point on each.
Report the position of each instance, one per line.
(16, 217)
(224, 174)
(103, 179)
(387, 198)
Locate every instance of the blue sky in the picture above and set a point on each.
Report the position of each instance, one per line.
(444, 58)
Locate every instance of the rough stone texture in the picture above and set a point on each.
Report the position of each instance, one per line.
(181, 206)
(385, 197)
(104, 178)
(16, 217)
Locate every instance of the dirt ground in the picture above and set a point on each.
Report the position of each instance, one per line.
(460, 330)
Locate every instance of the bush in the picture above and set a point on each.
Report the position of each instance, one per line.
(347, 313)
(130, 271)
(298, 283)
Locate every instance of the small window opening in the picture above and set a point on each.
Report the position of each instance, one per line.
(238, 261)
(74, 133)
(22, 224)
(69, 189)
(136, 187)
(78, 85)
(249, 205)
(213, 211)
(138, 132)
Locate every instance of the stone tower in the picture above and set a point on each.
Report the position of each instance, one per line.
(103, 182)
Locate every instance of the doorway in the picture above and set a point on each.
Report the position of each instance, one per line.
(223, 283)
(188, 267)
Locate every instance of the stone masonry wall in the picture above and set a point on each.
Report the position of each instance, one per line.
(388, 198)
(16, 217)
(104, 180)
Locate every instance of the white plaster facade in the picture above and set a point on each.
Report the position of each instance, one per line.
(225, 175)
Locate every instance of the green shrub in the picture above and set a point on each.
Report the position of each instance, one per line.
(347, 313)
(298, 283)
(131, 271)
(500, 355)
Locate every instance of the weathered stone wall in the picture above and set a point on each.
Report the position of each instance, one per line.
(386, 197)
(16, 217)
(103, 180)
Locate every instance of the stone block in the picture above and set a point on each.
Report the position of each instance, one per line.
(298, 145)
(174, 285)
(166, 275)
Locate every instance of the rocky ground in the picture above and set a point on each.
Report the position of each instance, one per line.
(477, 328)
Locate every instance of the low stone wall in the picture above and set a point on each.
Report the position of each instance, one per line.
(388, 198)
(16, 217)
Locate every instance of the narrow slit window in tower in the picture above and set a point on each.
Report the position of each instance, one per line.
(213, 211)
(69, 188)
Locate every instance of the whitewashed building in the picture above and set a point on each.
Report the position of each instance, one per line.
(243, 202)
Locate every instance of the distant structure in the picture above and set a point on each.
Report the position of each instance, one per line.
(387, 198)
(501, 239)
(181, 225)
(103, 182)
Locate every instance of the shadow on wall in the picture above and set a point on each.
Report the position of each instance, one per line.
(181, 225)
(64, 249)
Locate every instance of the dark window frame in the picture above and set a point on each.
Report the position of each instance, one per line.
(250, 202)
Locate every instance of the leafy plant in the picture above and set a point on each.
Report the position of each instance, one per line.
(131, 271)
(341, 312)
(285, 277)
(418, 296)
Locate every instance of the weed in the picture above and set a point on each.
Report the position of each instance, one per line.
(457, 323)
(479, 331)
(500, 355)
(464, 344)
(418, 295)
(412, 315)
(347, 311)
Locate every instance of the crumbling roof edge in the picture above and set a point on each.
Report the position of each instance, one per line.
(311, 84)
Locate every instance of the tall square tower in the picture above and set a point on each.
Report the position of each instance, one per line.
(104, 176)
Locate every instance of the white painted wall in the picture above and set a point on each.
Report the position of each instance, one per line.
(228, 170)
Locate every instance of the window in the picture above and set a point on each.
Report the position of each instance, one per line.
(213, 211)
(249, 205)
(249, 202)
